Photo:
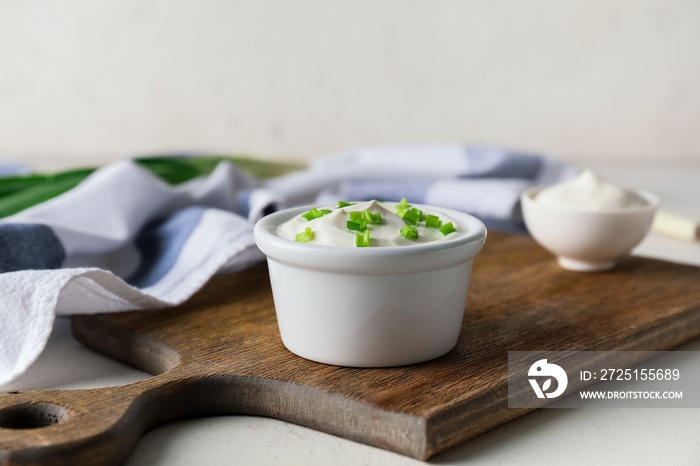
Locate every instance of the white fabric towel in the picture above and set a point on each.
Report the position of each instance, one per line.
(123, 239)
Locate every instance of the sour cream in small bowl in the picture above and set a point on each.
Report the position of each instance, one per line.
(351, 292)
(588, 222)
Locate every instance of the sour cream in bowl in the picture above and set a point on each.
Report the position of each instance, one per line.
(588, 222)
(370, 284)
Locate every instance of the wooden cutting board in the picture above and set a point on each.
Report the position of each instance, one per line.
(220, 353)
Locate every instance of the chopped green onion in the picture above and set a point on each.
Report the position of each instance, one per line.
(362, 239)
(342, 204)
(315, 213)
(433, 221)
(356, 226)
(447, 228)
(373, 219)
(312, 214)
(304, 237)
(413, 215)
(402, 207)
(356, 215)
(409, 232)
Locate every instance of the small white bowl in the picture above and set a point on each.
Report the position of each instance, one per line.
(370, 307)
(584, 240)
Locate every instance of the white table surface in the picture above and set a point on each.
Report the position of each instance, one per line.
(546, 436)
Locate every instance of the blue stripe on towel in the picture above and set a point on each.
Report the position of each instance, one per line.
(160, 244)
(496, 162)
(388, 190)
(28, 246)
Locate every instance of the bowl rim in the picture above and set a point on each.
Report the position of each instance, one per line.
(527, 197)
(352, 258)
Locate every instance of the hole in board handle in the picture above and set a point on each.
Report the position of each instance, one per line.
(32, 416)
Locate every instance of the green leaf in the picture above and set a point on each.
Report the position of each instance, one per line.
(177, 170)
(21, 192)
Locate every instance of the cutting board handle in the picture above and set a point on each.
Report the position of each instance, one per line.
(96, 426)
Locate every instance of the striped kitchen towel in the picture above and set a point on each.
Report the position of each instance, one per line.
(124, 239)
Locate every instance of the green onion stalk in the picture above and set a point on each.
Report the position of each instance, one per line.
(21, 192)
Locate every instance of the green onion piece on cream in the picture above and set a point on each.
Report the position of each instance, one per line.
(356, 216)
(433, 221)
(413, 215)
(372, 219)
(409, 232)
(342, 204)
(306, 236)
(356, 226)
(402, 207)
(315, 213)
(362, 239)
(312, 214)
(447, 228)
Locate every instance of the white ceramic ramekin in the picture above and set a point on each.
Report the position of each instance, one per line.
(587, 241)
(370, 307)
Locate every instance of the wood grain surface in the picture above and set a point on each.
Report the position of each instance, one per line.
(220, 353)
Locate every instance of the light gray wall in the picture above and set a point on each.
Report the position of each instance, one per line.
(87, 81)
